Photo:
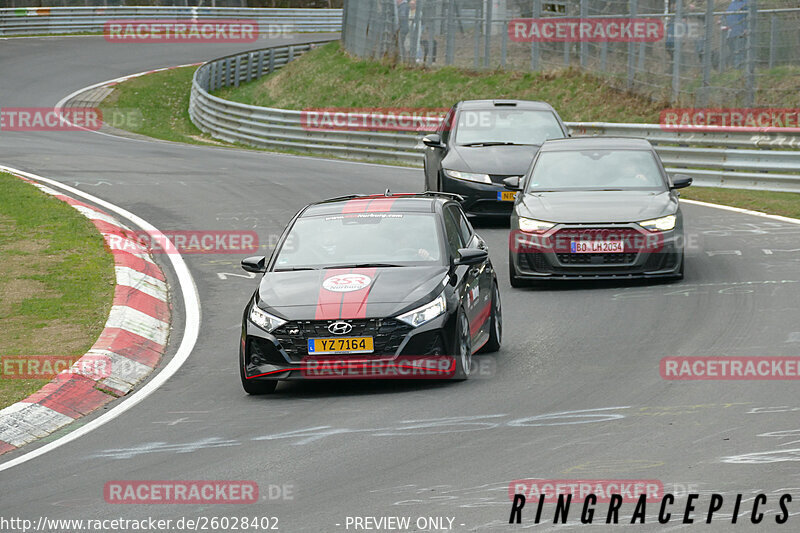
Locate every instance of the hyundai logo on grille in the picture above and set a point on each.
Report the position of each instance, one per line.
(340, 328)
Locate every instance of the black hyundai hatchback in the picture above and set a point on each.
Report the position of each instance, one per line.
(389, 286)
(482, 142)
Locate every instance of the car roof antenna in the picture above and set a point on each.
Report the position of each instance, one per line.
(387, 193)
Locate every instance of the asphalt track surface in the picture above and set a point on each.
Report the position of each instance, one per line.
(575, 392)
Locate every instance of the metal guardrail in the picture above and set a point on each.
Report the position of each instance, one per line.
(44, 20)
(729, 159)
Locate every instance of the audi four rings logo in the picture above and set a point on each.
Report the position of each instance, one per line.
(340, 328)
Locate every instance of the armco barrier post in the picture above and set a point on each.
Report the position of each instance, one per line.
(260, 65)
(248, 73)
(237, 71)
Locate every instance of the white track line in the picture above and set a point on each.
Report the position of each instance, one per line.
(191, 302)
(743, 211)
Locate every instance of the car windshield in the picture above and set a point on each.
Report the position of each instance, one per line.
(595, 170)
(506, 126)
(362, 240)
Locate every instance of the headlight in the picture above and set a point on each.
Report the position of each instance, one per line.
(469, 176)
(426, 313)
(659, 224)
(534, 226)
(264, 320)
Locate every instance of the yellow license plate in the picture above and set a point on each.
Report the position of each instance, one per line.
(506, 196)
(340, 345)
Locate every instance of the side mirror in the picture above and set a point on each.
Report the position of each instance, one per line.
(512, 183)
(434, 140)
(255, 264)
(679, 181)
(471, 256)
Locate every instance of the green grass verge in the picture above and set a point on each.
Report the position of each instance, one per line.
(577, 96)
(156, 105)
(56, 281)
(776, 203)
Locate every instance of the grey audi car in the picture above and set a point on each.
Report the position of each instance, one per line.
(596, 208)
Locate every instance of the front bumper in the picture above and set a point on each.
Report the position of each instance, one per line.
(480, 199)
(400, 351)
(542, 257)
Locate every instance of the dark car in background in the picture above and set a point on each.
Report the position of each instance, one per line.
(482, 142)
(366, 284)
(596, 208)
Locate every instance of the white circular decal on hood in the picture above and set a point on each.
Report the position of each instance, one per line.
(346, 282)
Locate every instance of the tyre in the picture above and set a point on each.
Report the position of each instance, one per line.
(496, 325)
(463, 347)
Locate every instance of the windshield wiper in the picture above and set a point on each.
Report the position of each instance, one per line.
(364, 265)
(495, 143)
(293, 269)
